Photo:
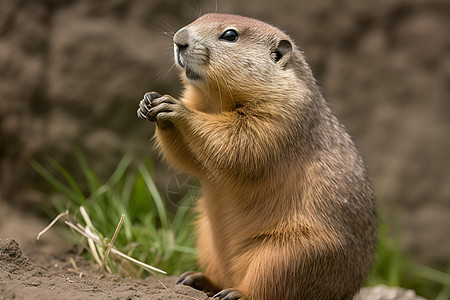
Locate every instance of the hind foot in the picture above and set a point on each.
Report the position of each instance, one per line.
(230, 294)
(199, 282)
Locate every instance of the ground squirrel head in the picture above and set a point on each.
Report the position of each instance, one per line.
(238, 57)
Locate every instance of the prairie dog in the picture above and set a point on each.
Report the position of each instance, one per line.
(286, 211)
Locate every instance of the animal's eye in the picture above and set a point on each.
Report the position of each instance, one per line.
(230, 35)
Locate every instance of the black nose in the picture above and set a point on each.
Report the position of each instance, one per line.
(181, 47)
(181, 38)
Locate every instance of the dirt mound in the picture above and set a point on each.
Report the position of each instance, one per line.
(11, 258)
(58, 278)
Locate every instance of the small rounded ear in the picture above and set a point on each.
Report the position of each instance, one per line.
(284, 47)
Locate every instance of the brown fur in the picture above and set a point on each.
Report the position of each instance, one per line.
(287, 211)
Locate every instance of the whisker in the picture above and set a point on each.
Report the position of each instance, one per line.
(171, 30)
(229, 91)
(160, 31)
(229, 7)
(196, 9)
(169, 48)
(220, 94)
(167, 34)
(199, 11)
(207, 88)
(163, 72)
(167, 58)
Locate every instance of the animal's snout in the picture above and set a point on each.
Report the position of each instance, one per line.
(181, 39)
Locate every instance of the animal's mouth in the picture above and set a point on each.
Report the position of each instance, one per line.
(190, 74)
(189, 66)
(180, 61)
(189, 71)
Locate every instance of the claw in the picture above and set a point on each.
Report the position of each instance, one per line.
(146, 104)
(183, 276)
(150, 96)
(164, 110)
(198, 281)
(230, 294)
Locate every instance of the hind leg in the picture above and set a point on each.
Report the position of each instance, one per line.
(209, 261)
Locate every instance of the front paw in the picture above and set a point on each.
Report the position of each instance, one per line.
(164, 110)
(145, 105)
(198, 281)
(230, 294)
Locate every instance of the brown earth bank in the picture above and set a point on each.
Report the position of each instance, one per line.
(56, 277)
(50, 268)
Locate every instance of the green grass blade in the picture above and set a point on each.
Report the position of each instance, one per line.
(127, 188)
(433, 275)
(56, 183)
(92, 179)
(63, 171)
(444, 294)
(183, 212)
(120, 170)
(160, 207)
(148, 231)
(184, 249)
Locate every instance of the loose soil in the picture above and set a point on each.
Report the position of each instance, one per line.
(58, 278)
(50, 269)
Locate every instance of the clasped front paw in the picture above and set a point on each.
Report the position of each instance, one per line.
(164, 110)
(145, 106)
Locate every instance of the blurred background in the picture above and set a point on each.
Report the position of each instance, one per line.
(73, 72)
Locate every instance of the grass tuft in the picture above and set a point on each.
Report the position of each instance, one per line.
(149, 232)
